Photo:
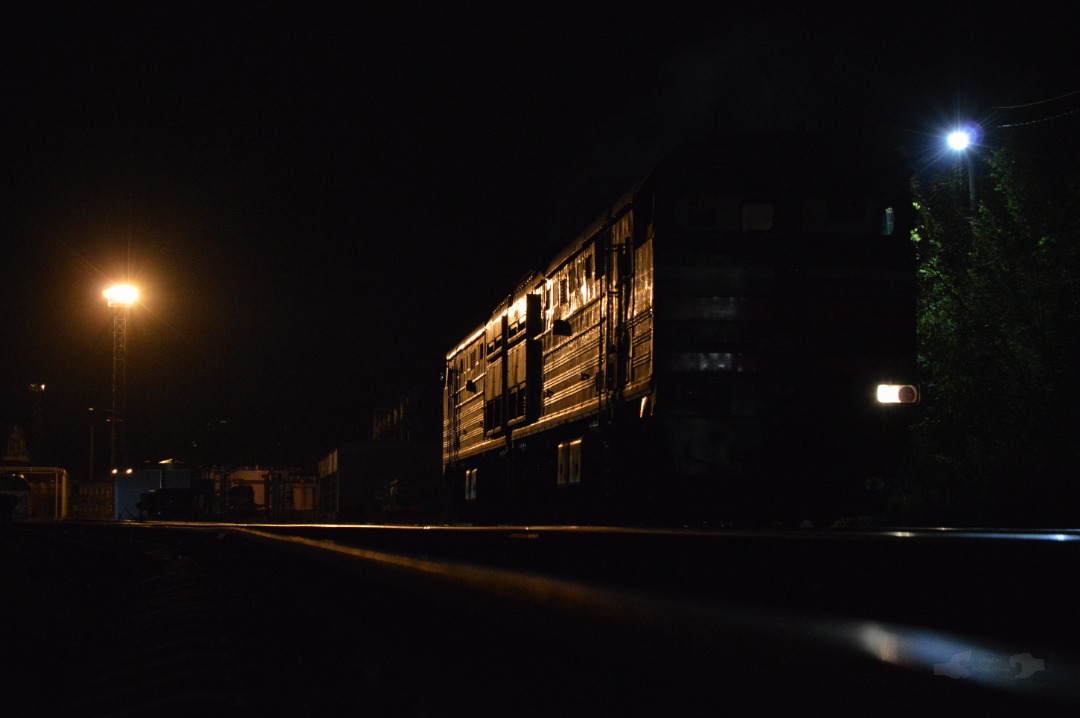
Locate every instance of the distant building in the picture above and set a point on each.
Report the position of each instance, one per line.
(253, 481)
(49, 490)
(263, 493)
(15, 451)
(49, 486)
(14, 497)
(128, 489)
(394, 478)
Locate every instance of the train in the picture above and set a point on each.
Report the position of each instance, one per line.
(732, 341)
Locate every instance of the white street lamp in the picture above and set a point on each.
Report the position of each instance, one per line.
(959, 140)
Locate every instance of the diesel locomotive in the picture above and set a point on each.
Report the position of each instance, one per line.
(734, 340)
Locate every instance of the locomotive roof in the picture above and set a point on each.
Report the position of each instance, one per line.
(614, 211)
(799, 153)
(769, 151)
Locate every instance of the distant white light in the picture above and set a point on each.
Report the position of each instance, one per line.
(959, 140)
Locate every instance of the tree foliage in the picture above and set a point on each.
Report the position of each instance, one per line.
(999, 339)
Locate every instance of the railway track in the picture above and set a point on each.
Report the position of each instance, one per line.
(237, 620)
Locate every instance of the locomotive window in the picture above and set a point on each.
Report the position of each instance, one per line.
(470, 484)
(724, 213)
(757, 217)
(707, 212)
(569, 463)
(846, 215)
(701, 213)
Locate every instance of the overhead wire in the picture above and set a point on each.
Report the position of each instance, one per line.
(1043, 119)
(1036, 103)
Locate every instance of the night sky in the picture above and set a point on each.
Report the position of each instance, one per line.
(319, 199)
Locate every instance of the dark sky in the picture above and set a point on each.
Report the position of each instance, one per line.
(319, 199)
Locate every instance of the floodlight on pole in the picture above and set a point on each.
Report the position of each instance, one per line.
(120, 297)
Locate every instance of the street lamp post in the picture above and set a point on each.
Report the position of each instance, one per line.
(960, 141)
(120, 297)
(38, 429)
(90, 412)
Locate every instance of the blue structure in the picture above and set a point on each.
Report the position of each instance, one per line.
(130, 488)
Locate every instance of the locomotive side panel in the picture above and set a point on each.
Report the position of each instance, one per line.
(463, 399)
(708, 349)
(784, 298)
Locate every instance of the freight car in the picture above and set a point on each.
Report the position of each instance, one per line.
(734, 340)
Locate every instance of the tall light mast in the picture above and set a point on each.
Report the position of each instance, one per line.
(120, 297)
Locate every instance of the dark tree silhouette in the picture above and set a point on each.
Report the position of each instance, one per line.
(999, 326)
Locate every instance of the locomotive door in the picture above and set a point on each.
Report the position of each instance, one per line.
(619, 293)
